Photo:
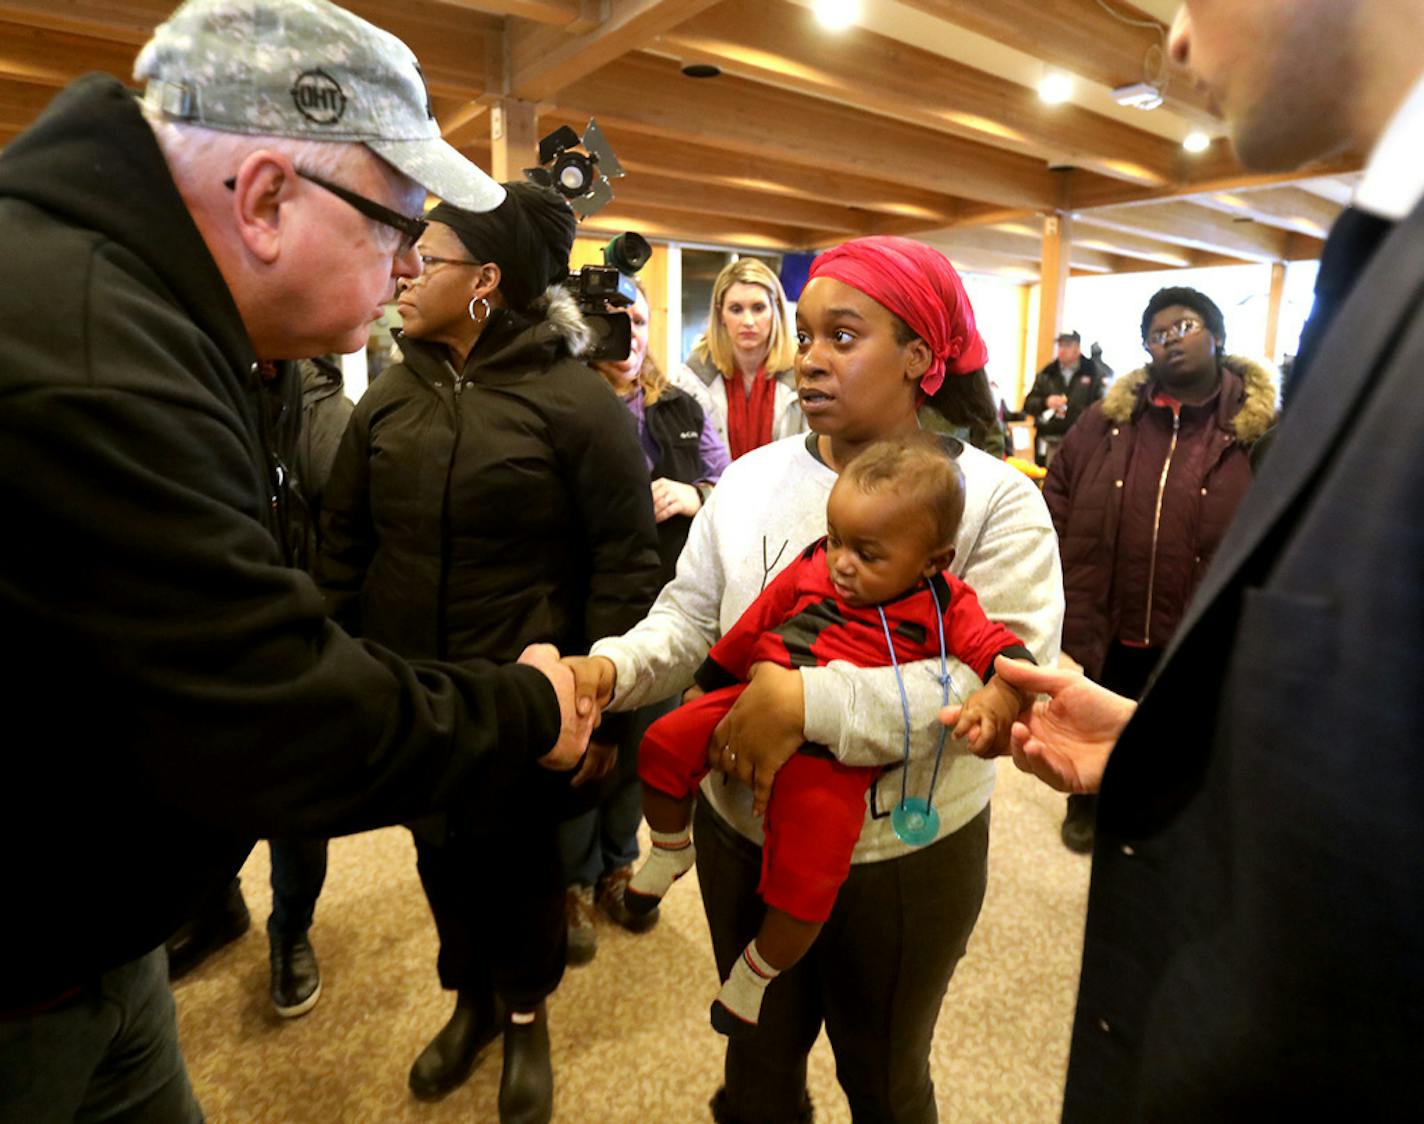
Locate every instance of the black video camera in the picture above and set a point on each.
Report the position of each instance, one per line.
(597, 288)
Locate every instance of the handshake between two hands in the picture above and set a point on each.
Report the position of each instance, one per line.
(757, 736)
(1064, 739)
(584, 686)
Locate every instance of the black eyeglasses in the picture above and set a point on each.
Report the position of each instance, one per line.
(408, 228)
(427, 260)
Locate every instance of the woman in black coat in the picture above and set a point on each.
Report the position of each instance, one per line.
(489, 494)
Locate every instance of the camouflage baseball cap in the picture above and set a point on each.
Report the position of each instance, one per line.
(309, 70)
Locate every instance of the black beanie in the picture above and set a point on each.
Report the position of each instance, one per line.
(529, 236)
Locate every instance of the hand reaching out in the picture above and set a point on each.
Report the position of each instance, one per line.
(576, 716)
(986, 717)
(1066, 739)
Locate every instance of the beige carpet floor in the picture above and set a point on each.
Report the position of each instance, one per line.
(630, 1035)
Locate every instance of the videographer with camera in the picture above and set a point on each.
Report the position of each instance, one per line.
(685, 458)
(489, 492)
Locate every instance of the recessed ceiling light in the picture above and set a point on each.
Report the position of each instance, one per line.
(1196, 142)
(1055, 89)
(837, 15)
(702, 70)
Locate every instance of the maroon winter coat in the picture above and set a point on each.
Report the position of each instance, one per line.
(1094, 487)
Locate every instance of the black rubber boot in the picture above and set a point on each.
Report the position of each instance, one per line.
(1079, 824)
(449, 1059)
(526, 1087)
(220, 922)
(723, 1115)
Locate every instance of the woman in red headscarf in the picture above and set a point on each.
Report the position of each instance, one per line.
(880, 325)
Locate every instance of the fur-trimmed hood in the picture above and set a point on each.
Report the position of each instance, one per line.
(1257, 413)
(558, 309)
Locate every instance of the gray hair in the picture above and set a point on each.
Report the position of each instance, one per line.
(195, 151)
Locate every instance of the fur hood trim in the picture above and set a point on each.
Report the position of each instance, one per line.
(1257, 413)
(557, 312)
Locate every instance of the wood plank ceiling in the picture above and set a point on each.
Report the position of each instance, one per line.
(921, 120)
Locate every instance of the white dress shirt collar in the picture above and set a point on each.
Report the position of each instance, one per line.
(1393, 182)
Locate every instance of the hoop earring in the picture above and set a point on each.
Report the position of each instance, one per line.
(485, 316)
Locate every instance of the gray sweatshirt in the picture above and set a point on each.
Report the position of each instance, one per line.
(771, 504)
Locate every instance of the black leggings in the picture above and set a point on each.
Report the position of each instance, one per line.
(876, 976)
(498, 902)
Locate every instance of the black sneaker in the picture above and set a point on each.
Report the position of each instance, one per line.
(219, 923)
(1079, 824)
(296, 978)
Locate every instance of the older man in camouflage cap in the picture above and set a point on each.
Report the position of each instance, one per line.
(182, 690)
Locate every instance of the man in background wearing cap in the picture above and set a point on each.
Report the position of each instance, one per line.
(183, 690)
(1060, 394)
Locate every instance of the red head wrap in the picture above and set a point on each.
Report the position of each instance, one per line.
(919, 286)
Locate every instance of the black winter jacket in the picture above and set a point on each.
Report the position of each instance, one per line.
(173, 688)
(470, 515)
(1085, 389)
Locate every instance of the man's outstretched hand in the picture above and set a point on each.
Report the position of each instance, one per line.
(1066, 739)
(576, 716)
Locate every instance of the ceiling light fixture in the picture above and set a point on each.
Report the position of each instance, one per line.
(837, 15)
(1196, 142)
(1055, 88)
(1140, 95)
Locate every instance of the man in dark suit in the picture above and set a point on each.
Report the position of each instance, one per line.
(1255, 937)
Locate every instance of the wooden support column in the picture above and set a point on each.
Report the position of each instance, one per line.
(514, 138)
(1273, 309)
(1057, 249)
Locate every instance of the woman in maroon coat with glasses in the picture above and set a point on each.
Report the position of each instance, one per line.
(1142, 491)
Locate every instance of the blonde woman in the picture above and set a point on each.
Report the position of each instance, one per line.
(740, 371)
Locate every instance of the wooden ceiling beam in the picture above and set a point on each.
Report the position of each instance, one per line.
(40, 57)
(780, 44)
(1337, 189)
(689, 226)
(644, 189)
(571, 15)
(1078, 36)
(453, 59)
(21, 103)
(1287, 208)
(646, 153)
(1088, 191)
(652, 96)
(1119, 243)
(538, 66)
(647, 189)
(1016, 241)
(1184, 224)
